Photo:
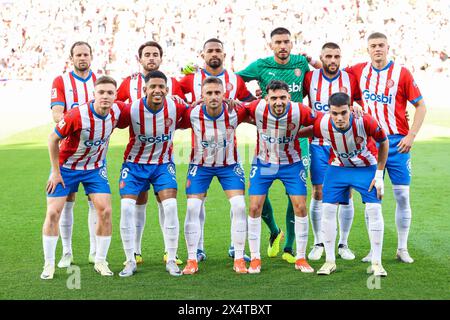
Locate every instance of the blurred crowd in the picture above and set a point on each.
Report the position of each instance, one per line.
(36, 35)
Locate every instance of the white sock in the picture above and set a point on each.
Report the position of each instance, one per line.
(315, 214)
(171, 228)
(127, 226)
(231, 219)
(254, 237)
(139, 221)
(329, 230)
(345, 214)
(49, 244)
(192, 226)
(102, 245)
(402, 214)
(161, 220)
(202, 218)
(301, 236)
(376, 230)
(66, 227)
(238, 225)
(92, 222)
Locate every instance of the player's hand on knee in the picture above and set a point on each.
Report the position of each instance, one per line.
(53, 181)
(378, 183)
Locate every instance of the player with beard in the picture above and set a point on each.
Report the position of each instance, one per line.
(214, 55)
(319, 85)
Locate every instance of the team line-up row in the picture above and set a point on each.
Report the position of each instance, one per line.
(347, 151)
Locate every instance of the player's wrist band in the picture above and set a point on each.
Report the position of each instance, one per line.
(379, 174)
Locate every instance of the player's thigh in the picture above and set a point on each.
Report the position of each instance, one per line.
(167, 194)
(198, 179)
(299, 205)
(336, 186)
(361, 180)
(134, 179)
(55, 205)
(293, 177)
(261, 178)
(398, 166)
(319, 163)
(231, 177)
(164, 179)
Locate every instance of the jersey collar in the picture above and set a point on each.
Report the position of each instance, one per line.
(80, 78)
(210, 75)
(385, 68)
(91, 106)
(330, 79)
(343, 131)
(285, 111)
(210, 117)
(144, 100)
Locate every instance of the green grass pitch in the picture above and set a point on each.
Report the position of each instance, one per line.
(24, 171)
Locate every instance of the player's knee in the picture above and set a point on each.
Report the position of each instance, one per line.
(104, 214)
(299, 209)
(194, 206)
(317, 193)
(401, 194)
(373, 211)
(53, 216)
(255, 209)
(238, 206)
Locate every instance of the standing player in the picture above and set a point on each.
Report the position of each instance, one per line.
(214, 154)
(77, 150)
(291, 69)
(278, 156)
(69, 91)
(132, 88)
(148, 160)
(319, 84)
(213, 54)
(353, 164)
(386, 87)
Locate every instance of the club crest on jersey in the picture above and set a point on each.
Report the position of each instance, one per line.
(291, 126)
(390, 83)
(359, 140)
(229, 86)
(168, 122)
(297, 72)
(343, 89)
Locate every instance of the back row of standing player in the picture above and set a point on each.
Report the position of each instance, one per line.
(384, 85)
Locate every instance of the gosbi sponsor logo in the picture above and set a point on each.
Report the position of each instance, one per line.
(94, 143)
(223, 143)
(348, 155)
(377, 97)
(279, 140)
(158, 139)
(321, 107)
(295, 87)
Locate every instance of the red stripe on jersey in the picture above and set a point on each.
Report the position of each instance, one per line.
(216, 141)
(227, 125)
(91, 136)
(94, 78)
(376, 91)
(386, 93)
(154, 145)
(358, 145)
(344, 139)
(166, 131)
(367, 87)
(288, 134)
(333, 140)
(319, 88)
(99, 147)
(139, 87)
(264, 129)
(227, 81)
(201, 117)
(142, 130)
(74, 89)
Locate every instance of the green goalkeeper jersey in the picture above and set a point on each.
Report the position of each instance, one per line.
(267, 69)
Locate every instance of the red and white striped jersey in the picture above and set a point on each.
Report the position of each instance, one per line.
(85, 136)
(277, 136)
(151, 132)
(318, 87)
(385, 94)
(132, 88)
(235, 87)
(213, 138)
(354, 147)
(70, 91)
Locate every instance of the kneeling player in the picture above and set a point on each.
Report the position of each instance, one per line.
(353, 164)
(148, 160)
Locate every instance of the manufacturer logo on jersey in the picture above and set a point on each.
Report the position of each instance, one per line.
(297, 72)
(377, 97)
(291, 126)
(158, 139)
(229, 86)
(61, 124)
(95, 143)
(359, 140)
(280, 140)
(168, 122)
(54, 93)
(390, 83)
(271, 74)
(343, 89)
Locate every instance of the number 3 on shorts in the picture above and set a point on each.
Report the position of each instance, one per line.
(253, 172)
(125, 173)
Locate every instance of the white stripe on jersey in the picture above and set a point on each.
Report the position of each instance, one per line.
(320, 90)
(153, 133)
(80, 88)
(345, 145)
(381, 106)
(213, 141)
(93, 140)
(274, 146)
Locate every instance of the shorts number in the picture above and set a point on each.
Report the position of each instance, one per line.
(193, 171)
(253, 172)
(125, 173)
